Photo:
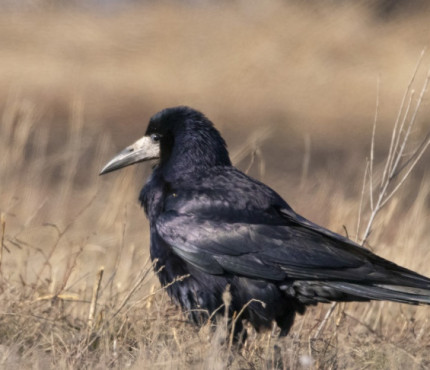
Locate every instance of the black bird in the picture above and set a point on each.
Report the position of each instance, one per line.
(225, 230)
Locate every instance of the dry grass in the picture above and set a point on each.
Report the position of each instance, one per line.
(76, 87)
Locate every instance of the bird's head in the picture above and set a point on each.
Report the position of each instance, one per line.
(181, 138)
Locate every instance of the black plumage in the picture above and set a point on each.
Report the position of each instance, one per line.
(225, 230)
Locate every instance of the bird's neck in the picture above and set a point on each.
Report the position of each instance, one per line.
(194, 154)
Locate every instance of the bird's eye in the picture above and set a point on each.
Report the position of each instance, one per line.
(155, 138)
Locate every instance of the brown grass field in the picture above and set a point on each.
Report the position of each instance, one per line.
(292, 86)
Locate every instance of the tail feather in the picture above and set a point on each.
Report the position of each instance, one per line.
(385, 292)
(388, 282)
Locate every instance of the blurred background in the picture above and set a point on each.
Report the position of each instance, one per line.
(292, 85)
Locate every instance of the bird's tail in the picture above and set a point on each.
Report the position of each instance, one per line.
(387, 281)
(382, 281)
(384, 292)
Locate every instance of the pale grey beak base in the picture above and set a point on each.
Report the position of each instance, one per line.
(143, 149)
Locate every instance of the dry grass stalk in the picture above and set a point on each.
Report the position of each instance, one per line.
(136, 286)
(94, 297)
(237, 316)
(396, 165)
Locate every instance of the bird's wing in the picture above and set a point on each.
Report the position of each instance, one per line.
(275, 252)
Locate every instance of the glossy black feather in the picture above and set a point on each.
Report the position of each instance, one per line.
(224, 229)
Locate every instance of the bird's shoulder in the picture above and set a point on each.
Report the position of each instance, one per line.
(224, 191)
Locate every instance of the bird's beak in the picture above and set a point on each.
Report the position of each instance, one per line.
(142, 150)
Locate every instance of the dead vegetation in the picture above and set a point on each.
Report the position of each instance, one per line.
(77, 289)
